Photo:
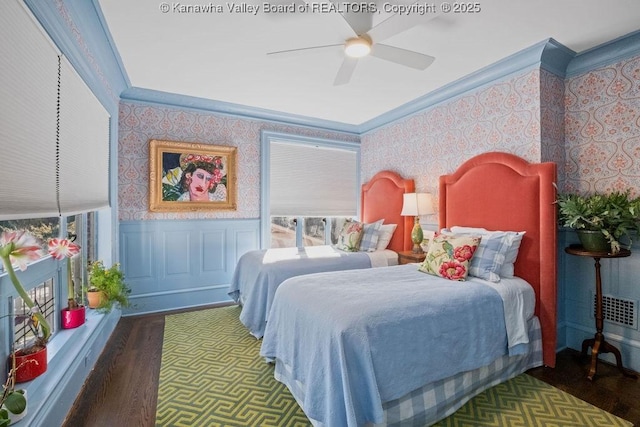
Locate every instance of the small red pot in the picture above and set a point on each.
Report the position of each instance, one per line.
(72, 318)
(27, 370)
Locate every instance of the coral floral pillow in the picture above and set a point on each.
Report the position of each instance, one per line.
(350, 236)
(449, 256)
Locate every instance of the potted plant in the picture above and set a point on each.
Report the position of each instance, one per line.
(13, 403)
(74, 315)
(107, 287)
(17, 247)
(601, 220)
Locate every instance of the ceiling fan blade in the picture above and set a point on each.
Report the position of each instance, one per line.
(400, 56)
(289, 52)
(398, 23)
(360, 22)
(346, 71)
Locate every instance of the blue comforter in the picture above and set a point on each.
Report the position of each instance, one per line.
(259, 273)
(356, 339)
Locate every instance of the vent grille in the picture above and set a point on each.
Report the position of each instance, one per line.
(617, 310)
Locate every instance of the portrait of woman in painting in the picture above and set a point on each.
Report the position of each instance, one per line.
(191, 176)
(203, 178)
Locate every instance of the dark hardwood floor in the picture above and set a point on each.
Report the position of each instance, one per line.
(121, 390)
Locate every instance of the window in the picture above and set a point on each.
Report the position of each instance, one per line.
(310, 188)
(43, 297)
(49, 294)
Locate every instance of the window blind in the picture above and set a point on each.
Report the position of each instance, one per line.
(84, 146)
(54, 134)
(310, 180)
(28, 95)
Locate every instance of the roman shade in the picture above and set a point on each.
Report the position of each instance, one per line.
(312, 180)
(54, 133)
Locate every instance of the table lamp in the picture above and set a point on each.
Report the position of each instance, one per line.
(416, 204)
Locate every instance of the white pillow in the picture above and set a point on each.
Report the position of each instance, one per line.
(384, 236)
(514, 240)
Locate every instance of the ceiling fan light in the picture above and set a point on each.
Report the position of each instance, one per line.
(357, 47)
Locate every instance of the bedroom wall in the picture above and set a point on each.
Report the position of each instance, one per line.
(502, 116)
(588, 123)
(602, 146)
(187, 259)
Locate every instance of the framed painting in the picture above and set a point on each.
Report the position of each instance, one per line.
(187, 176)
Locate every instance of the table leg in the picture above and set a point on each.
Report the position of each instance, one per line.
(600, 346)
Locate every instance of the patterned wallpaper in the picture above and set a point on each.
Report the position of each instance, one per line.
(504, 116)
(139, 123)
(602, 123)
(588, 124)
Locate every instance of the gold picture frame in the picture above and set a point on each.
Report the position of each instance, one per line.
(186, 176)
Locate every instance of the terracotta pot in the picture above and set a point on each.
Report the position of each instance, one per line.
(95, 298)
(73, 318)
(30, 370)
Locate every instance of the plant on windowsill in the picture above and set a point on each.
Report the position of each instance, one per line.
(107, 287)
(18, 247)
(601, 220)
(74, 315)
(13, 403)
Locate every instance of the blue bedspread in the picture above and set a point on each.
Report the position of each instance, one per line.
(259, 273)
(356, 339)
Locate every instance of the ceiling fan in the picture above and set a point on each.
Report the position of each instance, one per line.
(366, 41)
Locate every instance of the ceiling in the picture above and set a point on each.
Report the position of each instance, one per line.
(223, 55)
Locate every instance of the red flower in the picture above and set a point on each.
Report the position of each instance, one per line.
(464, 253)
(453, 270)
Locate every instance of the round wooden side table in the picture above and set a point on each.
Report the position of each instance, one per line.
(598, 343)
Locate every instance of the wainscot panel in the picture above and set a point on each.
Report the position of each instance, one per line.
(174, 264)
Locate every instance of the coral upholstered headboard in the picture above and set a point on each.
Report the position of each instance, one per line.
(500, 191)
(381, 198)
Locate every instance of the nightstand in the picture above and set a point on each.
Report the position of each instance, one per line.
(407, 257)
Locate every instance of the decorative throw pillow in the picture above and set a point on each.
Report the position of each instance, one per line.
(449, 256)
(370, 236)
(385, 235)
(350, 236)
(512, 239)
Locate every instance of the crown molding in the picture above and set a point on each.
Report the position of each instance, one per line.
(608, 53)
(548, 54)
(150, 96)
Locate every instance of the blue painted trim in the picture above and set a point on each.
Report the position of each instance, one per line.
(266, 137)
(549, 54)
(608, 53)
(82, 40)
(236, 110)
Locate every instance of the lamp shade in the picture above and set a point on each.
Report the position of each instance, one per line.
(415, 204)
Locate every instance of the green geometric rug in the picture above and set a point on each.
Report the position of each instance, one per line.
(212, 375)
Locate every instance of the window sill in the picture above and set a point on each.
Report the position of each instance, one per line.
(71, 355)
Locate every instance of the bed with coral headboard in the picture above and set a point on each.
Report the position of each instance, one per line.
(396, 345)
(259, 273)
(520, 196)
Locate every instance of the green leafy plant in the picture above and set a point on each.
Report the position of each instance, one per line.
(616, 215)
(111, 282)
(12, 401)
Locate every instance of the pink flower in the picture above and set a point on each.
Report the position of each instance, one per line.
(464, 253)
(452, 270)
(21, 247)
(62, 248)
